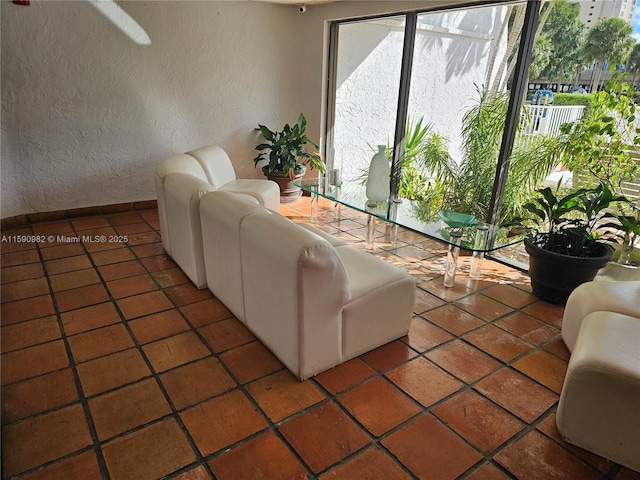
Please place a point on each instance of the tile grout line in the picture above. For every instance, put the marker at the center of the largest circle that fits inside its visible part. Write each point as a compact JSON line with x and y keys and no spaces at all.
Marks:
{"x":79,"y":390}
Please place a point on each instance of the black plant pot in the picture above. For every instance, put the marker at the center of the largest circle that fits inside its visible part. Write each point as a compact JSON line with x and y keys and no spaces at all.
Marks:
{"x":555,"y":276}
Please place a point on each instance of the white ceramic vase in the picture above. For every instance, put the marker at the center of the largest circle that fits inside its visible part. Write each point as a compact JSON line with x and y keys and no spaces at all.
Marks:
{"x":378,"y":179}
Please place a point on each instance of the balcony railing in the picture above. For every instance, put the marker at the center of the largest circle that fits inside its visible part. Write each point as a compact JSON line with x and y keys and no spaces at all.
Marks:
{"x":547,"y":119}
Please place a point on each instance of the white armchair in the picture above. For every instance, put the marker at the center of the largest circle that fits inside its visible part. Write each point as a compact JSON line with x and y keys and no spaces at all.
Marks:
{"x":219,"y":170}
{"x":196,"y":173}
{"x":599,"y":407}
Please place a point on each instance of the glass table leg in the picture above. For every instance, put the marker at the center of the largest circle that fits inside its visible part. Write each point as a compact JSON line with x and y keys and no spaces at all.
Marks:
{"x":452,"y":260}
{"x":314,"y":202}
{"x":478,"y":256}
{"x":371,"y":225}
{"x":393,"y":236}
{"x":393,"y":215}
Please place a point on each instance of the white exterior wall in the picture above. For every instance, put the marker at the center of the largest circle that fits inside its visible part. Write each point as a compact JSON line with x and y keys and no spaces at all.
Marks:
{"x":591,"y":11}
{"x":451,"y":56}
{"x":87,"y":113}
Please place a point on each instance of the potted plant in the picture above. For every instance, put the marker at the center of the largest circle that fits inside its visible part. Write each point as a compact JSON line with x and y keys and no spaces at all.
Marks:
{"x":564,"y":246}
{"x":626,"y":258}
{"x":288,"y":153}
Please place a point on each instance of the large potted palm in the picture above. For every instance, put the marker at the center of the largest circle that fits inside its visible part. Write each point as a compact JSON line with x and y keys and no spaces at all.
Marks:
{"x":564,"y":246}
{"x":287,"y":154}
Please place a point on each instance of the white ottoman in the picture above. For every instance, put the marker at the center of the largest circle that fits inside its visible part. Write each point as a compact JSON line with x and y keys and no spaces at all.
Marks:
{"x":619,"y":297}
{"x":599,"y":407}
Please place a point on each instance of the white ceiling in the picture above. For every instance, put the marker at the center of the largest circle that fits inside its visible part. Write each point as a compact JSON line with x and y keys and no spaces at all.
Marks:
{"x":298,"y":2}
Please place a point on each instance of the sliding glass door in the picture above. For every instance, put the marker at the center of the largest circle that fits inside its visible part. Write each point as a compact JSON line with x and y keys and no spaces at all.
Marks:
{"x":444,"y":91}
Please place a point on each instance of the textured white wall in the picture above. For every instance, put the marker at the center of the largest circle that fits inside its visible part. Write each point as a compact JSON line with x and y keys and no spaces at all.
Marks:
{"x":87,"y":113}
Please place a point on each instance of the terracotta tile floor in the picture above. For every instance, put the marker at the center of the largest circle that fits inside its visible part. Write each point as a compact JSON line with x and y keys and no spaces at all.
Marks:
{"x":115,"y":367}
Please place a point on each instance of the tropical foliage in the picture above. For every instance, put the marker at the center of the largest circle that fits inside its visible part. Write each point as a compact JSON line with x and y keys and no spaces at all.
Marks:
{"x":609,"y":40}
{"x":431,"y":177}
{"x":564,"y":32}
{"x":568,"y":224}
{"x":604,"y":144}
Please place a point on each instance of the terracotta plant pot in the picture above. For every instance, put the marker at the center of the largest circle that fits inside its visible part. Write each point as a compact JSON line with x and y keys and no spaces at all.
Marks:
{"x":288,"y":191}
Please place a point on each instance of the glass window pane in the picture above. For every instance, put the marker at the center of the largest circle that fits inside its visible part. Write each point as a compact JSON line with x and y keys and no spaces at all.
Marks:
{"x":455,"y":127}
{"x":366,"y":98}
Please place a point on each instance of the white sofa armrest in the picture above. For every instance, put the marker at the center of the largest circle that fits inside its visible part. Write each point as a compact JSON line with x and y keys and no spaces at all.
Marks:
{"x":182,"y":200}
{"x":618,"y":297}
{"x":181,"y":163}
{"x":381,"y":305}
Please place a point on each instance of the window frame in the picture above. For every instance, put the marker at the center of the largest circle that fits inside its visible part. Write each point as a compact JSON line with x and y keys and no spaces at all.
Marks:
{"x":517,"y":92}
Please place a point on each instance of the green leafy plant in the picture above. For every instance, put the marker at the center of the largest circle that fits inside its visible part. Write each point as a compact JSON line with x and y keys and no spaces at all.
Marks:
{"x":568,"y":224}
{"x":603,"y":147}
{"x":627,"y":229}
{"x":289,"y":150}
{"x":422,"y":146}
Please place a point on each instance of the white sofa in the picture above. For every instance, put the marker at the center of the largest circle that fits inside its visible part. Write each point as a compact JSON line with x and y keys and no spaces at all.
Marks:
{"x":599,"y":407}
{"x":311,"y":299}
{"x":192,"y":175}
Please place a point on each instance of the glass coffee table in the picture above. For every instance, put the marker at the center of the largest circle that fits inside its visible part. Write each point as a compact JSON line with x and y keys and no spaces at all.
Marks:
{"x":459,"y":232}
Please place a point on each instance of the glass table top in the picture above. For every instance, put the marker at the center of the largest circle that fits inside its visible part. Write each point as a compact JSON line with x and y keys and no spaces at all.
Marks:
{"x":476,"y":237}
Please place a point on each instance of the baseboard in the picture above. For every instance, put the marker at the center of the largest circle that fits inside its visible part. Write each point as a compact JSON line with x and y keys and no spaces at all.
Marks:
{"x":29,"y":218}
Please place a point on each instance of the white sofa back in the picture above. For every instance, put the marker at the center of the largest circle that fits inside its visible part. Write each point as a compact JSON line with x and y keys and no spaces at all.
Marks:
{"x":216,"y":164}
{"x":221,"y":214}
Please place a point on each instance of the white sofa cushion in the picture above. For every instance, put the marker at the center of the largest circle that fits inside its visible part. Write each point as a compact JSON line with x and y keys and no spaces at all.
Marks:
{"x":221,"y":214}
{"x":182,"y":201}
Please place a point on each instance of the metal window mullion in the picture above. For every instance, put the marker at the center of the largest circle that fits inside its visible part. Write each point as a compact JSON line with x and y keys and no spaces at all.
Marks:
{"x":518,"y":91}
{"x":411,"y":21}
{"x":332,"y":69}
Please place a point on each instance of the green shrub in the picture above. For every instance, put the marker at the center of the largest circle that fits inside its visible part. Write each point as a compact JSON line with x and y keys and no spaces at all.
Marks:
{"x":572,"y":99}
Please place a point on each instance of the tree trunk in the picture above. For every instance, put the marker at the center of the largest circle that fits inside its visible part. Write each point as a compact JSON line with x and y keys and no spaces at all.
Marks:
{"x":513,"y":37}
{"x":496,"y":46}
{"x":597,"y":75}
{"x":542,"y":21}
